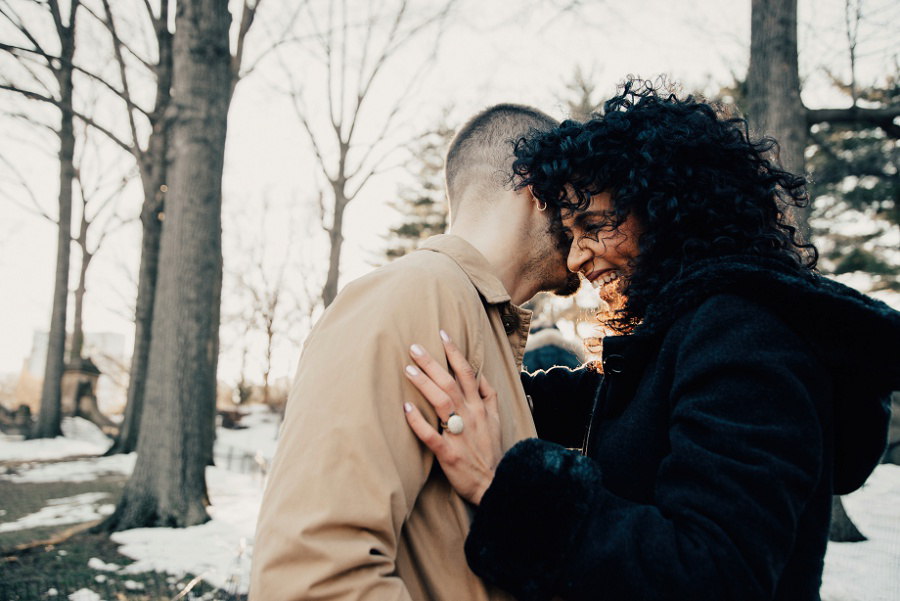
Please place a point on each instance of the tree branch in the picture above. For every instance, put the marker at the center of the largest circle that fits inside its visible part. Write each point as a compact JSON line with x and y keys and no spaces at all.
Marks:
{"x":123,"y":75}
{"x":880,"y":117}
{"x":84,"y":118}
{"x":37,"y":209}
{"x":20,"y":26}
{"x":14,"y":50}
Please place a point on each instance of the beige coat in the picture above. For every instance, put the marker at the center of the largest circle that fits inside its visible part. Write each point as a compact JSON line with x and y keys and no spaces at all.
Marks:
{"x":356,"y":507}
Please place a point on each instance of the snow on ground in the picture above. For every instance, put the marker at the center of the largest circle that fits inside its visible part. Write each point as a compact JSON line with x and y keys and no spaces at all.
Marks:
{"x":219,"y":550}
{"x":868,"y":570}
{"x":260,"y":434}
{"x":80,"y":437}
{"x":78,"y":509}
{"x":79,"y":470}
{"x":216,"y":550}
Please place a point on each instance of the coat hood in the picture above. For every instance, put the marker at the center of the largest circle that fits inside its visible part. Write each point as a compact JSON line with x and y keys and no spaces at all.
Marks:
{"x":855,"y":336}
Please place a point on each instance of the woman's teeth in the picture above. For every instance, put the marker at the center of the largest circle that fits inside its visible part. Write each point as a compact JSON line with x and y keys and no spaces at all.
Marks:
{"x":604,"y":279}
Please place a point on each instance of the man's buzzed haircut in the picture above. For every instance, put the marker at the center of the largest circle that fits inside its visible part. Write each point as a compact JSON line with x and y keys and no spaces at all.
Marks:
{"x":481,"y":153}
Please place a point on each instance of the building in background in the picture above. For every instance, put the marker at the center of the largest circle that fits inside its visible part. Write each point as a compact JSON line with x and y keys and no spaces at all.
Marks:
{"x":105,"y":349}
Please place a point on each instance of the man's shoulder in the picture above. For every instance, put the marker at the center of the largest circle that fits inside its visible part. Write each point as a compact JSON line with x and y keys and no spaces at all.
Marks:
{"x":419,"y":269}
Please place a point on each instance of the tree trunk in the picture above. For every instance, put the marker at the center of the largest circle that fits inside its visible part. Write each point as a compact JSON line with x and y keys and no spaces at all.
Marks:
{"x":154,"y":168}
{"x":842,"y":529}
{"x":336,"y":240}
{"x":773,"y":88}
{"x":168,"y":487}
{"x":126,"y":440}
{"x":78,"y":317}
{"x":49,"y":415}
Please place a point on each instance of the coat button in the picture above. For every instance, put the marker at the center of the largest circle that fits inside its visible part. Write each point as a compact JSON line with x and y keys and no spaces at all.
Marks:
{"x":510,"y":323}
{"x":614,"y":364}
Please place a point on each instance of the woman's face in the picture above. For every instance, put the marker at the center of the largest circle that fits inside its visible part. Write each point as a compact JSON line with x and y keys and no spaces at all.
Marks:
{"x":601,"y":253}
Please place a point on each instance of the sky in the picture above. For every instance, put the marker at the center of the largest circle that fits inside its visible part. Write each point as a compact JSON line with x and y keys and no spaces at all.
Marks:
{"x":489,"y":52}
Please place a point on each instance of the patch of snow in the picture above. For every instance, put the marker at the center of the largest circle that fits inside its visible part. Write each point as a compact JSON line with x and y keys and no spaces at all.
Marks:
{"x":84,"y":594}
{"x":95,"y":563}
{"x":78,"y":428}
{"x":80,"y":437}
{"x":82,"y":470}
{"x":260,"y":435}
{"x":52,"y":592}
{"x":86,"y":507}
{"x":216,"y":550}
{"x":868,"y":570}
{"x":133,"y":586}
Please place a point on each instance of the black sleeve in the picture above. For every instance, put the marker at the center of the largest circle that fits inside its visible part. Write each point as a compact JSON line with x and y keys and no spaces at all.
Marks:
{"x":746,"y":456}
{"x":562,"y":400}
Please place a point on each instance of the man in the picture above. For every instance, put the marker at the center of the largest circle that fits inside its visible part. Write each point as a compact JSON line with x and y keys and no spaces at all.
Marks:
{"x":355,"y":506}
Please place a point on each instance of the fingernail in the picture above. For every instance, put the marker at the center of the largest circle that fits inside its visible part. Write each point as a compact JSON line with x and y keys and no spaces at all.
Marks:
{"x":444,"y":336}
{"x":407,"y":407}
{"x":412,"y":370}
{"x":416,"y":350}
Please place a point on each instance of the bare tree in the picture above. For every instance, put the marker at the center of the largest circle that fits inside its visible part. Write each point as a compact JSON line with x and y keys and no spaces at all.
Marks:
{"x":168,"y":487}
{"x":354,"y":42}
{"x":153,"y":158}
{"x":261,"y":279}
{"x":98,"y":200}
{"x":35,"y":59}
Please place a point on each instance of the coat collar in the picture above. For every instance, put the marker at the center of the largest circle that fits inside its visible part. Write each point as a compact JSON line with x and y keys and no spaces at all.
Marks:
{"x":473,"y":263}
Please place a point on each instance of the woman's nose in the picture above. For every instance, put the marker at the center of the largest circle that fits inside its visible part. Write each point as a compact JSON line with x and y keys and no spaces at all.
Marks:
{"x":578,"y":256}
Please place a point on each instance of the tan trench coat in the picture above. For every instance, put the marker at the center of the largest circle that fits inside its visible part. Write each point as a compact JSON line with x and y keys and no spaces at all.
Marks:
{"x":356,"y":507}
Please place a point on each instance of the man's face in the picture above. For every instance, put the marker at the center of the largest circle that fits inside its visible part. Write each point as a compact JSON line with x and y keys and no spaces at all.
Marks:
{"x":549,"y":250}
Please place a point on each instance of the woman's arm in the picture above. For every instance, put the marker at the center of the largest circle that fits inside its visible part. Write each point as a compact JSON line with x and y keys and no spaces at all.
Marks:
{"x":562,"y":400}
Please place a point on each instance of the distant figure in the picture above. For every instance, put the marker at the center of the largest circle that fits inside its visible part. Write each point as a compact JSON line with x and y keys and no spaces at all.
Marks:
{"x":547,"y":348}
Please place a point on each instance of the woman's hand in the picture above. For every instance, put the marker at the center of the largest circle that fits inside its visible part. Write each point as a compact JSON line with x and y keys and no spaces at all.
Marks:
{"x":469,"y":457}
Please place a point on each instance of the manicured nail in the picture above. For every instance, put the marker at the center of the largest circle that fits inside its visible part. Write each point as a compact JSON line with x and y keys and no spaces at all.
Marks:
{"x":416,"y":350}
{"x":444,"y":336}
{"x":412,"y":370}
{"x":407,"y":407}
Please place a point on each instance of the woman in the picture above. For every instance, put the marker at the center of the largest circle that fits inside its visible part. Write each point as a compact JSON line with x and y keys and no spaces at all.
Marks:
{"x":740,"y":392}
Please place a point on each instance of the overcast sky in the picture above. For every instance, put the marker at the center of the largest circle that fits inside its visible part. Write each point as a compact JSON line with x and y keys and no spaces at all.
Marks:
{"x":490,"y":52}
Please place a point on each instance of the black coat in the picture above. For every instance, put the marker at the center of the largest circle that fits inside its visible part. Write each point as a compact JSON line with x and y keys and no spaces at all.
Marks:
{"x":724,"y":424}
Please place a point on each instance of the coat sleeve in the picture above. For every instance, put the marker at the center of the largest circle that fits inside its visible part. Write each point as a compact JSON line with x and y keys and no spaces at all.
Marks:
{"x":745,"y":456}
{"x":348,"y":468}
{"x":561,"y":402}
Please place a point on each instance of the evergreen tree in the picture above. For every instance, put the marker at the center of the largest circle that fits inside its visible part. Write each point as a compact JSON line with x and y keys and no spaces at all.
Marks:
{"x":423,"y":203}
{"x":855,"y":181}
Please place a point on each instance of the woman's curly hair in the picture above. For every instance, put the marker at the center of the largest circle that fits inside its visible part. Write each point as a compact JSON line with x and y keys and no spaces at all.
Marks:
{"x":694,"y":181}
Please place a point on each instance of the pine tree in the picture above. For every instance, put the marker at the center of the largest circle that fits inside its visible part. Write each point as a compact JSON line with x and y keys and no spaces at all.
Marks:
{"x":855,"y":179}
{"x":423,"y":203}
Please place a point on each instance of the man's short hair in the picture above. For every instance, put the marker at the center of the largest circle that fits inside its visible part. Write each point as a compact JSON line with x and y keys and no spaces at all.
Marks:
{"x":481,"y":153}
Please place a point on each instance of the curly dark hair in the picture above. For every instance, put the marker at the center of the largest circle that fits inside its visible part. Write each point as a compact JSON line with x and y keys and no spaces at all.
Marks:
{"x":691,"y":177}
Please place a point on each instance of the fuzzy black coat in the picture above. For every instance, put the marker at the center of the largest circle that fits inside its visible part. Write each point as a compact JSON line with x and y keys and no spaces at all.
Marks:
{"x":746,"y":398}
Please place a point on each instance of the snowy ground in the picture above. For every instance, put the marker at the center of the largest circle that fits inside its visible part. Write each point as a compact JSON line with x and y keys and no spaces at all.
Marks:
{"x":219,"y":550}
